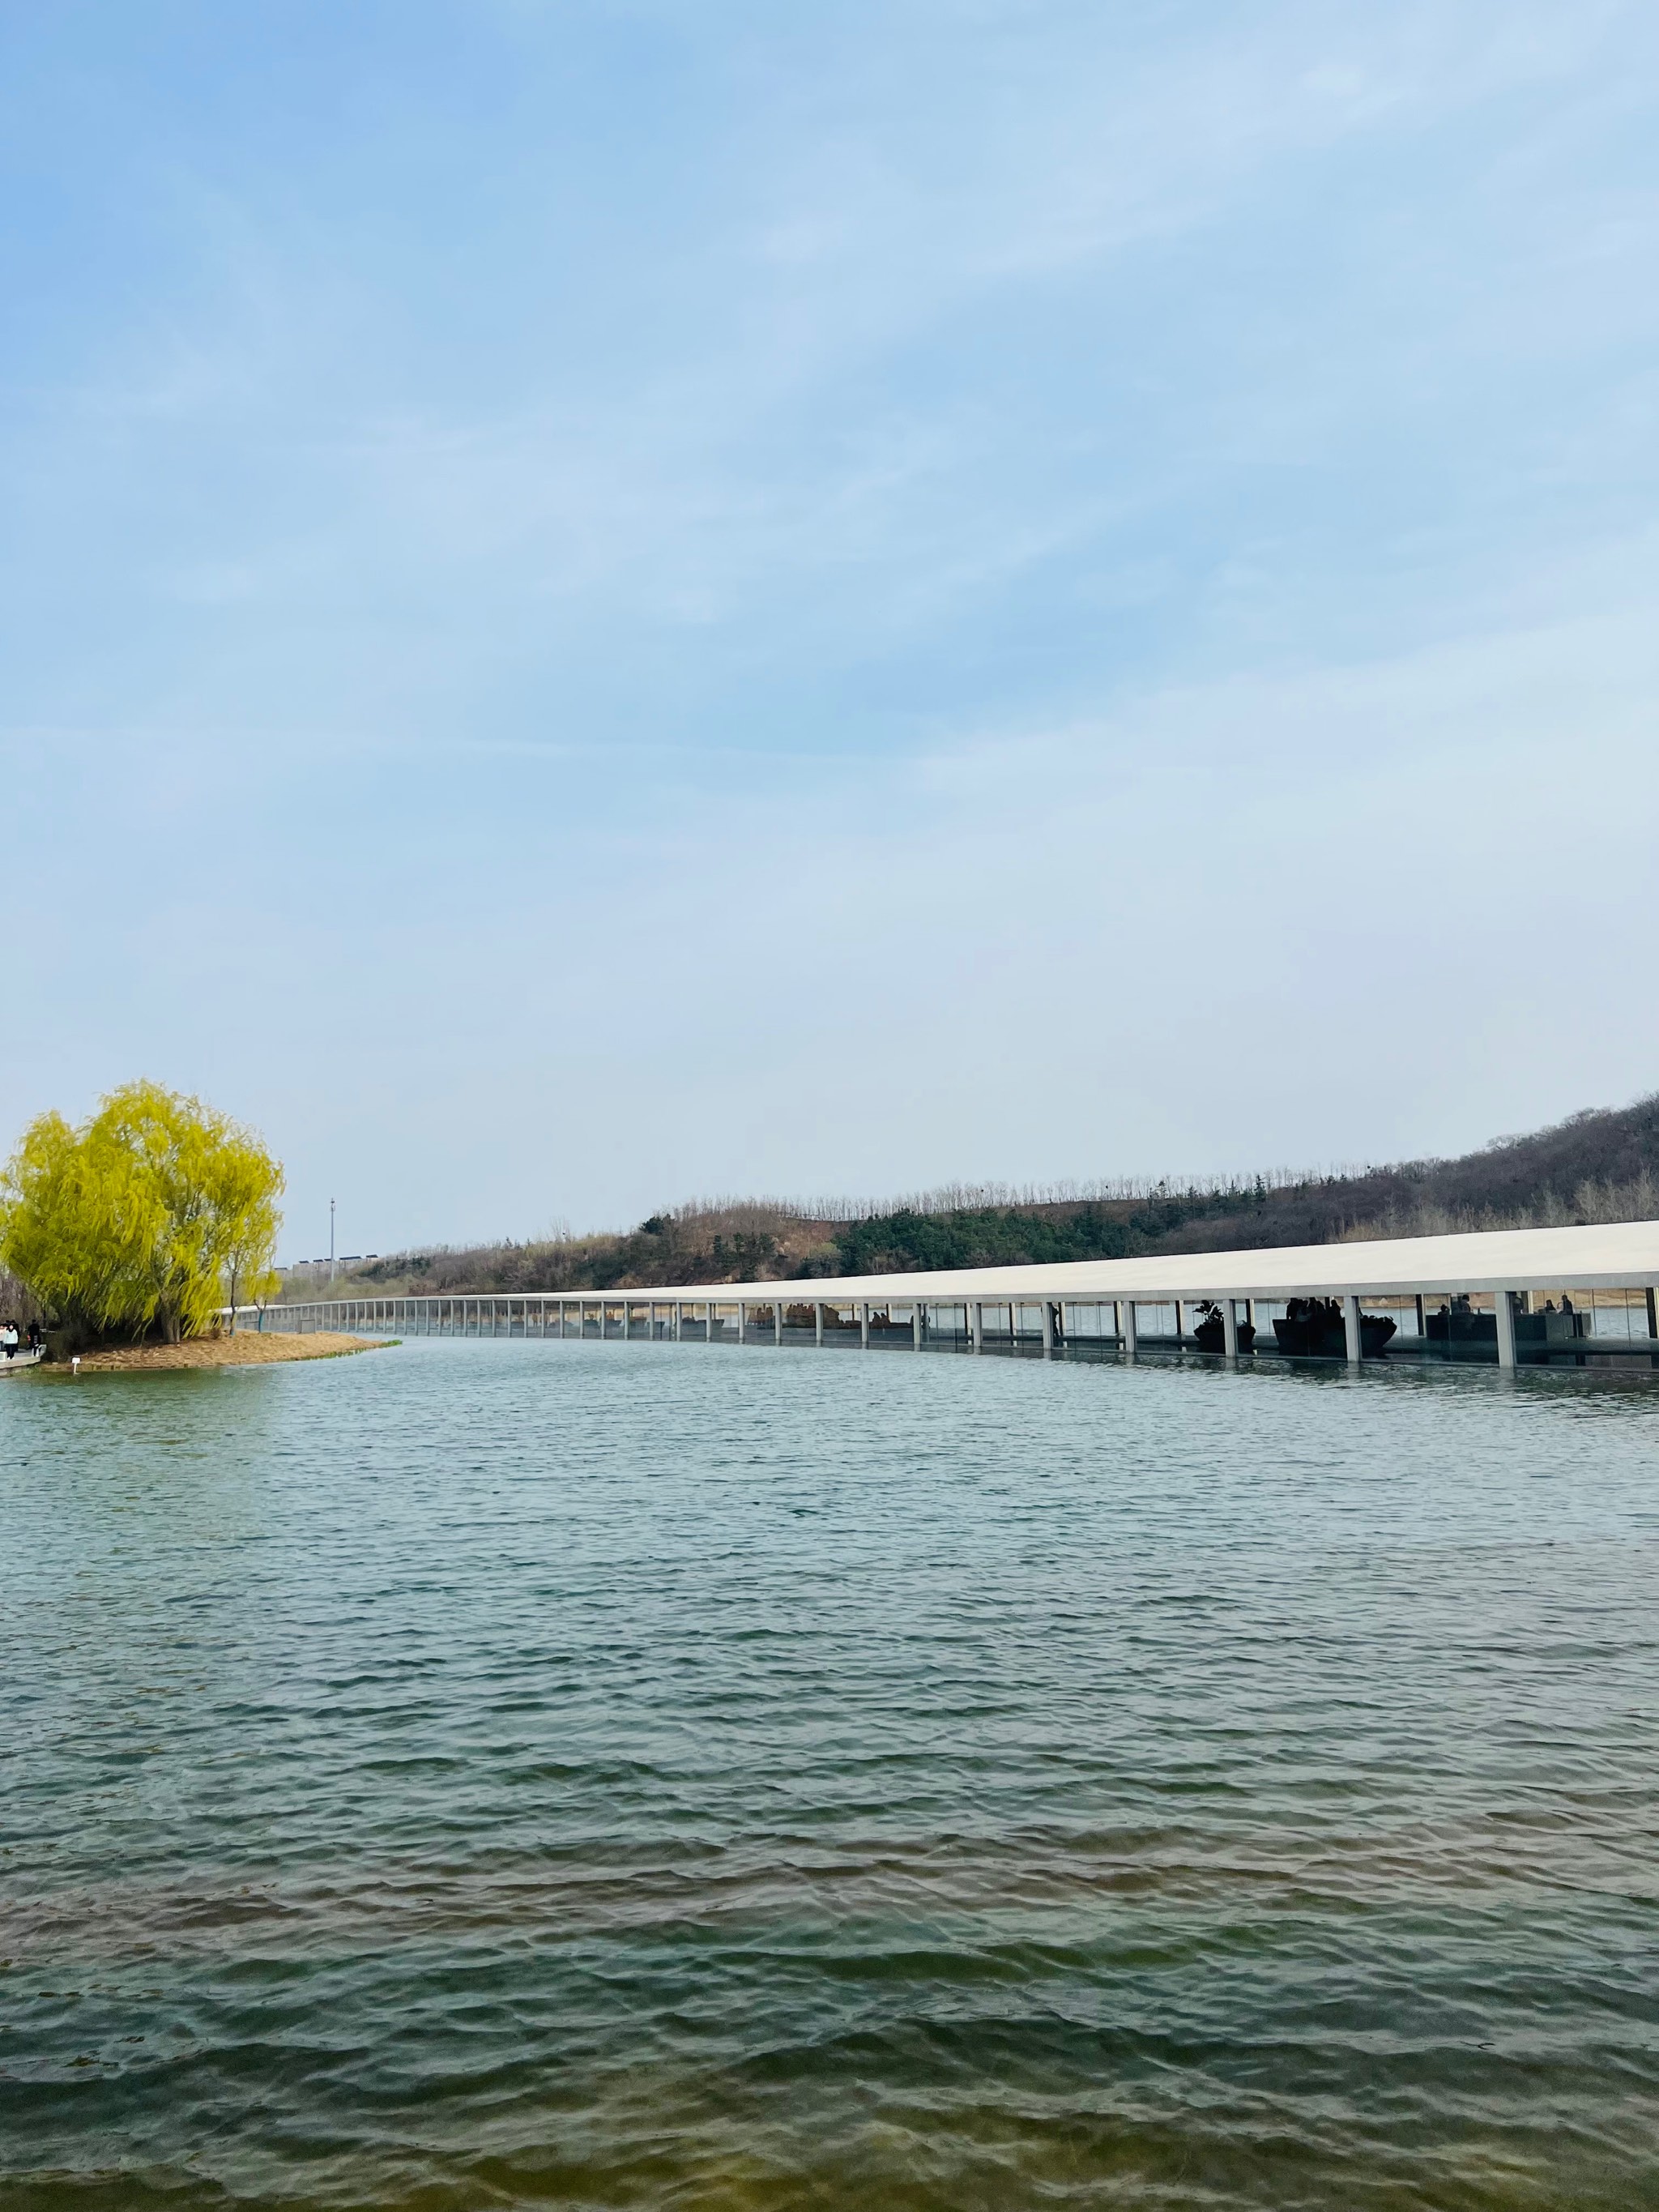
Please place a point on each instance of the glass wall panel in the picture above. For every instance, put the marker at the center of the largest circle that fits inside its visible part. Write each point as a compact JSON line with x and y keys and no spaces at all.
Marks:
{"x":841,"y":1322}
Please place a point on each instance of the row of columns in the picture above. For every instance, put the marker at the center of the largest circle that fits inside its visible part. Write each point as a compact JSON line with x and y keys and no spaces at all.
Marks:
{"x":463,"y":1314}
{"x":357,"y":1312}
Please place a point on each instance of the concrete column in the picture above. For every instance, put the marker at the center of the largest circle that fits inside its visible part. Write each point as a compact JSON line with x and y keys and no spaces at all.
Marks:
{"x":679,"y":1319}
{"x":627,"y":1310}
{"x":777,"y":1317}
{"x":1131,"y":1341}
{"x":976,"y":1324}
{"x":1230,"y":1328}
{"x":743,"y":1316}
{"x":864,"y":1325}
{"x":818,"y":1322}
{"x":1177,"y":1315}
{"x":915,"y":1324}
{"x":1505,"y":1302}
{"x":1351,"y":1328}
{"x":1048,"y":1312}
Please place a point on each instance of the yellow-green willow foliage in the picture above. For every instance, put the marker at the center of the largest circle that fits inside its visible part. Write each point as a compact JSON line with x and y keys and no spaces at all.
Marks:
{"x":144,"y":1220}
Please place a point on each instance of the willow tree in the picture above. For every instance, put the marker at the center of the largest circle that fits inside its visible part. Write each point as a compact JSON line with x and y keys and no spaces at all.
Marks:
{"x":142,"y":1221}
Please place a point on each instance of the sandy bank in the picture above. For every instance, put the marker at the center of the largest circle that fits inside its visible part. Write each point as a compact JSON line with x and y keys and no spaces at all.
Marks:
{"x":249,"y":1350}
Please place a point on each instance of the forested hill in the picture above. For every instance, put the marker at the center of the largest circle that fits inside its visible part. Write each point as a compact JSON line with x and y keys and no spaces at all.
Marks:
{"x":1599,"y":1165}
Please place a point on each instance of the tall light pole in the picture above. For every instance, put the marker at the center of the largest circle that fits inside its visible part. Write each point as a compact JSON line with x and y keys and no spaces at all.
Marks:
{"x":330,"y":1240}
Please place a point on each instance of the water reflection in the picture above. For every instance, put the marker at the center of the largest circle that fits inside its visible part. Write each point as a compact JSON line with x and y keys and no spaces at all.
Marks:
{"x":500,"y":1773}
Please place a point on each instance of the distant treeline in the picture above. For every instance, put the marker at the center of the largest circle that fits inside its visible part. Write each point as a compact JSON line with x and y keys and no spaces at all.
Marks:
{"x":1599,"y":1165}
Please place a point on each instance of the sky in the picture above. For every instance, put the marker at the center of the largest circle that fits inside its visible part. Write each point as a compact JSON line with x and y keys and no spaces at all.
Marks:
{"x":605,"y":601}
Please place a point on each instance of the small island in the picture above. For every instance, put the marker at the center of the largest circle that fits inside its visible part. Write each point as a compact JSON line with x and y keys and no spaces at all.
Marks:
{"x":260,"y":1348}
{"x":131,"y":1240}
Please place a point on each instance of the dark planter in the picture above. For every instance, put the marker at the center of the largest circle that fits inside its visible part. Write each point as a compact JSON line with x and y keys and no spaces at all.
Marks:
{"x":1212,"y":1336}
{"x":1317,"y":1337}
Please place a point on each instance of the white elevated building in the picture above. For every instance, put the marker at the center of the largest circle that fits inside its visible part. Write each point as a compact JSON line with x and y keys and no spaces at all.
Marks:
{"x":1555,"y":1297}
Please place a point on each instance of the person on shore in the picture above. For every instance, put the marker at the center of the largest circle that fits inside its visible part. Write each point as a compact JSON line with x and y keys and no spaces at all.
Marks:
{"x":8,"y":1337}
{"x":37,"y":1336}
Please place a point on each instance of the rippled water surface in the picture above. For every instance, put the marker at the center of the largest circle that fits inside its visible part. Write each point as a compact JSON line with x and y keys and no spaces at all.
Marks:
{"x":481,"y":1774}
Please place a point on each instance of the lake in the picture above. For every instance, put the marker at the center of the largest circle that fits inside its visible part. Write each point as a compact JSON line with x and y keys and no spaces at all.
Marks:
{"x":493,"y":1773}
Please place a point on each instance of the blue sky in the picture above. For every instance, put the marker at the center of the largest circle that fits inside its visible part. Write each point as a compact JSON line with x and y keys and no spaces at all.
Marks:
{"x":610,"y":602}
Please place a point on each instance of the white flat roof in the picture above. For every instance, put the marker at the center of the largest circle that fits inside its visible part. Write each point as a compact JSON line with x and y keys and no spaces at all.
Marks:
{"x":1623,"y":1255}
